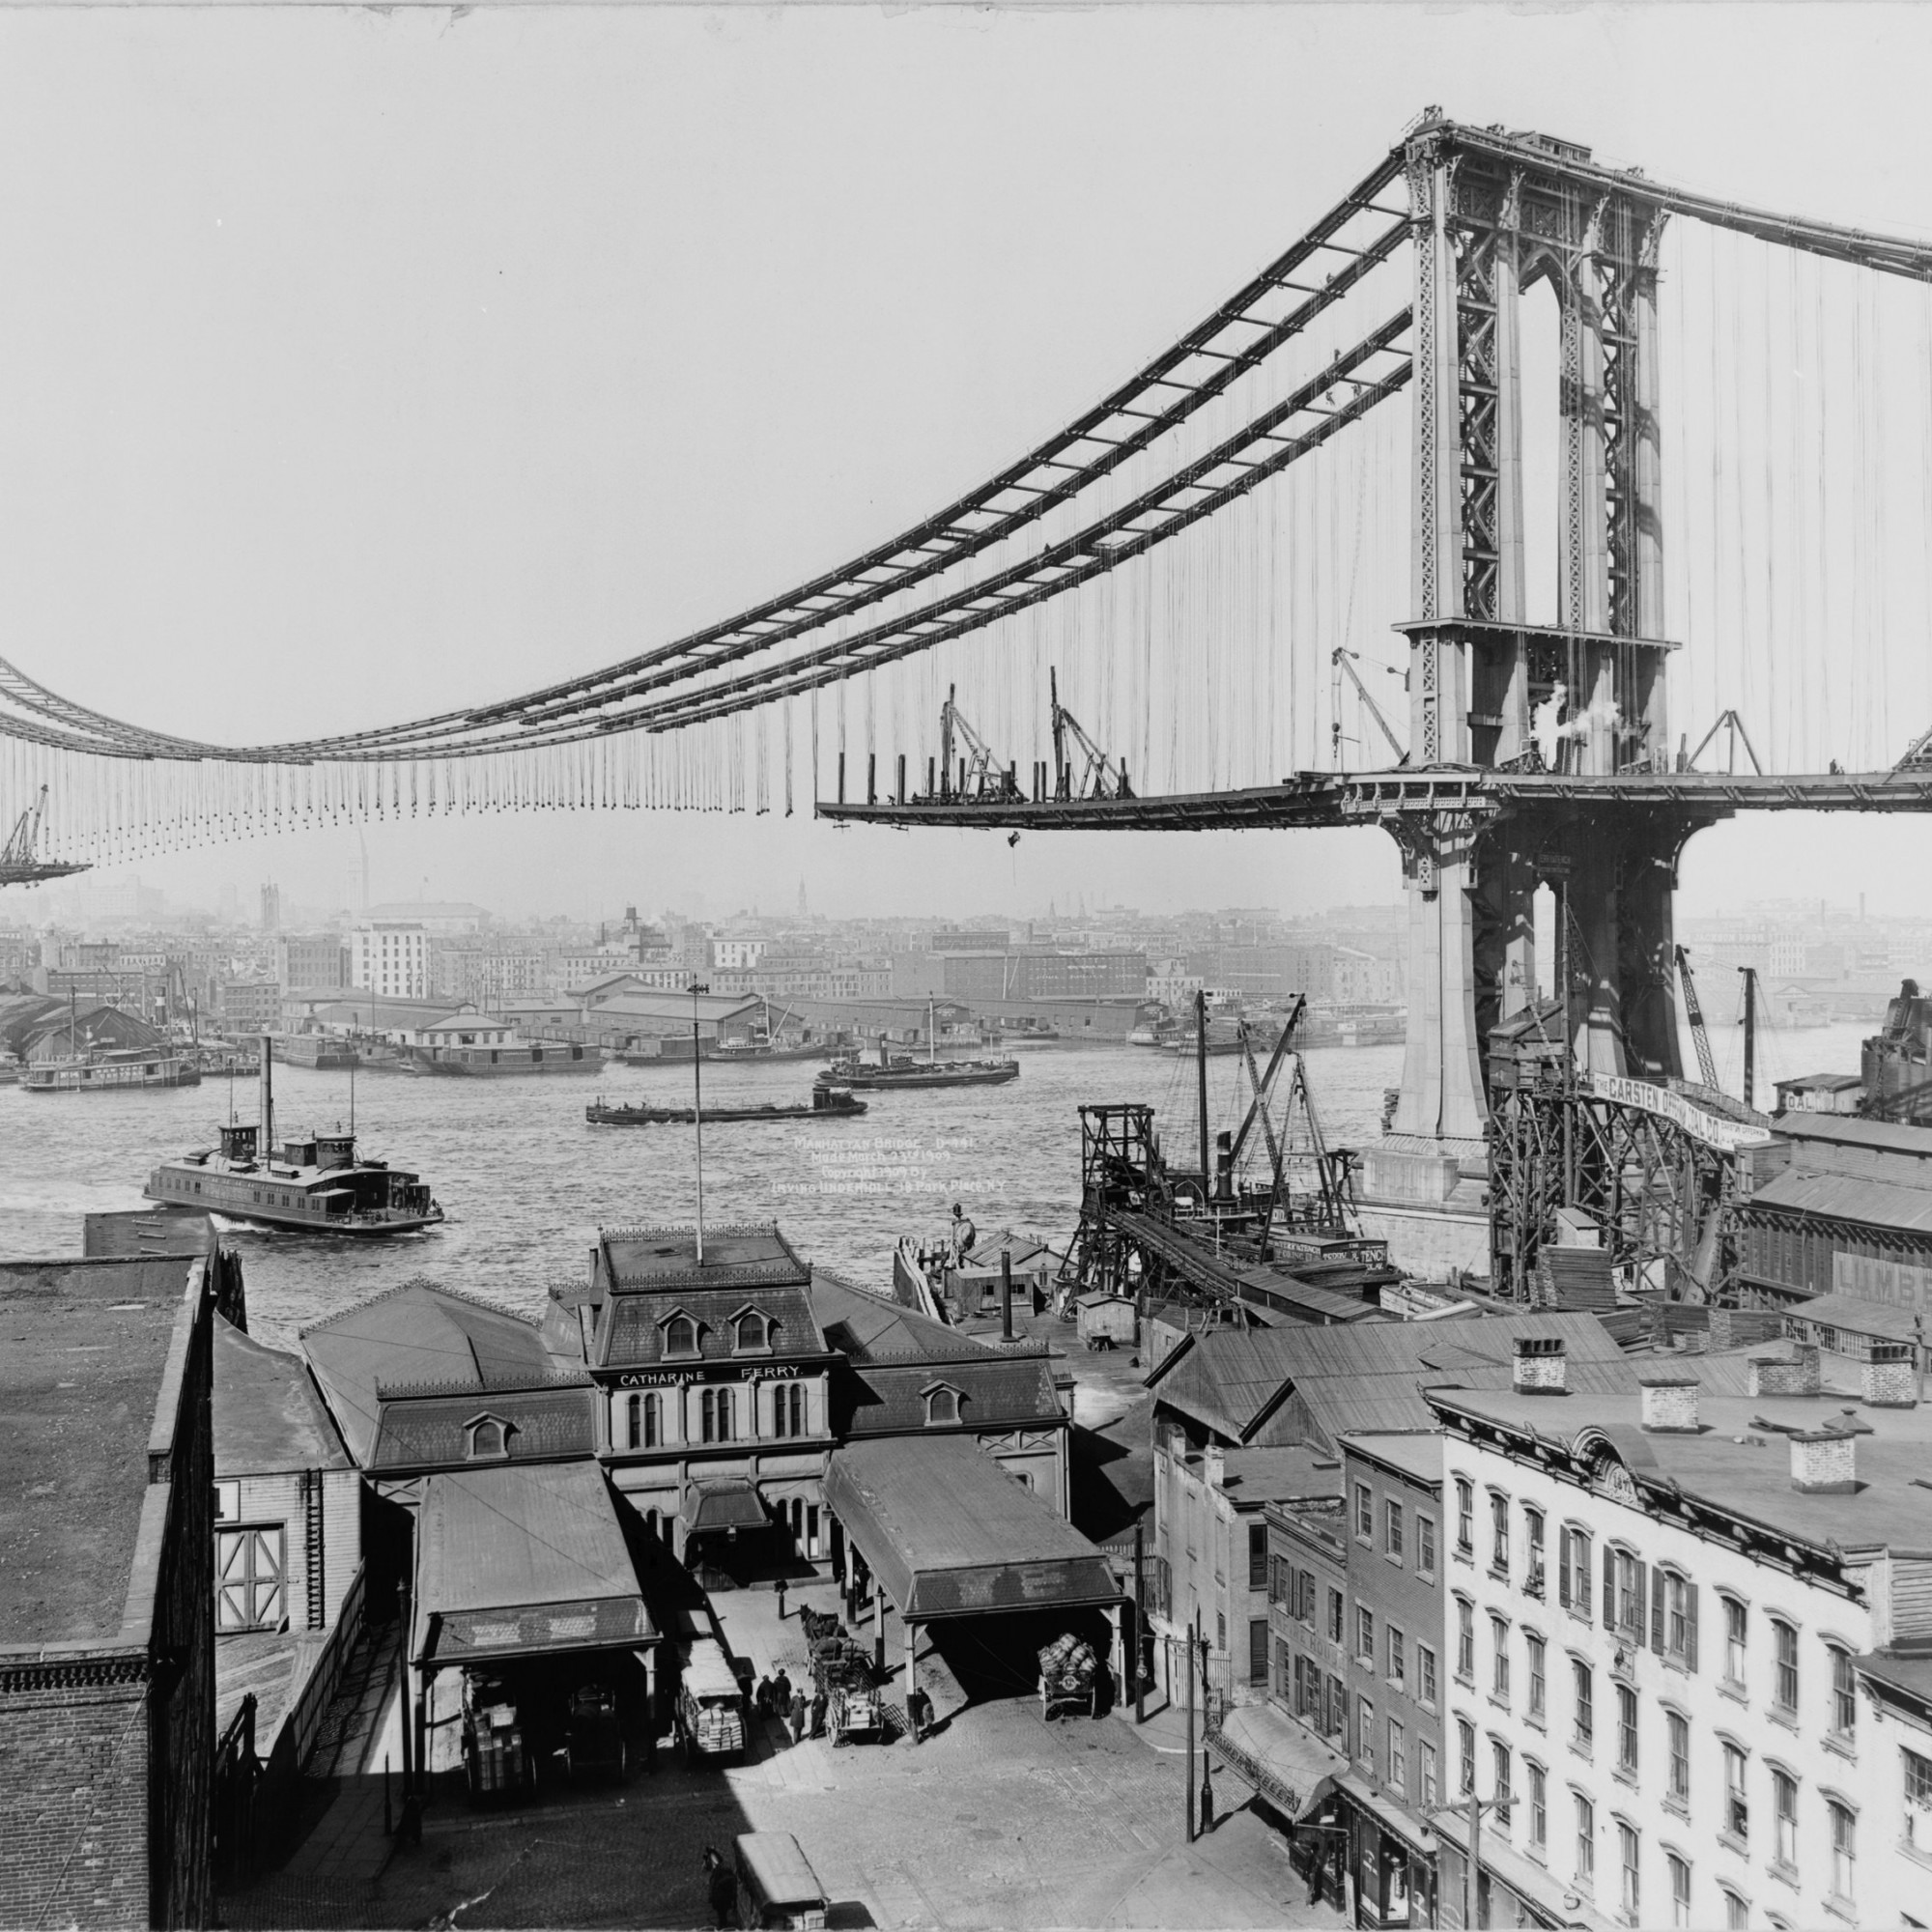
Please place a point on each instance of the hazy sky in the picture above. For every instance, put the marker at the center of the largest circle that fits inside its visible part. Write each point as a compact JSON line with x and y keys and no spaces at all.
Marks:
{"x":357,"y":363}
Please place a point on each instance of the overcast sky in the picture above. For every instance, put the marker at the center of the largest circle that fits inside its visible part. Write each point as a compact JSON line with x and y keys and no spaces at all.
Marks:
{"x":359,"y":364}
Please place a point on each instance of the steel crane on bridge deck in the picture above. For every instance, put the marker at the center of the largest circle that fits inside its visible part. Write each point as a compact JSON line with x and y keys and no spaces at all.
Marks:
{"x":1099,"y":778}
{"x":1343,"y":661}
{"x":17,"y":865}
{"x":979,"y":775}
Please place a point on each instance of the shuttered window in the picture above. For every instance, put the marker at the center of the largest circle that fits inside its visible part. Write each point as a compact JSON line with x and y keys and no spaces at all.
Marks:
{"x":249,"y":1578}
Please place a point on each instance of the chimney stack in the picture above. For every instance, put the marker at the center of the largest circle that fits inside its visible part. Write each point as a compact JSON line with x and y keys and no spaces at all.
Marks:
{"x":1889,"y":1380}
{"x":1669,"y":1402}
{"x":1214,"y":1464}
{"x":1824,"y":1463}
{"x":1773,"y":1375}
{"x":1540,"y":1367}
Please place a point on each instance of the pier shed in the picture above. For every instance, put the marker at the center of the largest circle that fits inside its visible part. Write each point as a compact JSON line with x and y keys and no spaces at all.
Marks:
{"x":523,"y":1573}
{"x":946,"y":1535}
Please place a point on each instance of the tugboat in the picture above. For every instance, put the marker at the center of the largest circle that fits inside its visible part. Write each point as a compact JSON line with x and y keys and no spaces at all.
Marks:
{"x":826,"y":1100}
{"x":313,"y":1181}
{"x":901,"y":1069}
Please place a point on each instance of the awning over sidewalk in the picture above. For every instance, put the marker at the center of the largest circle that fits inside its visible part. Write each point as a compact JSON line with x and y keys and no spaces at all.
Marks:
{"x":1284,"y":1761}
{"x":520,"y":1562}
{"x":948,"y":1532}
{"x":729,"y":1503}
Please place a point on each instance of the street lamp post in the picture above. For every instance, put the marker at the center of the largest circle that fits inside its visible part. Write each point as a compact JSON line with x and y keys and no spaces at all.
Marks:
{"x":697,"y":1108}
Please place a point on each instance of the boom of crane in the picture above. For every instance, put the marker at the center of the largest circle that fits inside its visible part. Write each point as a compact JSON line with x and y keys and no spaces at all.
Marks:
{"x":1099,"y":777}
{"x":1343,"y":661}
{"x":977,"y":774}
{"x":1328,"y":1208}
{"x":1694,"y":1015}
{"x":17,"y":865}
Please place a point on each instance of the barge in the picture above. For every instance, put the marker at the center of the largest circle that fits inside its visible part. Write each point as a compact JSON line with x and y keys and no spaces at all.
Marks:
{"x":826,"y":1101}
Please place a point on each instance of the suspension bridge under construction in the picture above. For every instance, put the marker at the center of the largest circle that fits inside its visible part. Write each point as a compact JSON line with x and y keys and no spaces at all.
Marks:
{"x":1665,"y":461}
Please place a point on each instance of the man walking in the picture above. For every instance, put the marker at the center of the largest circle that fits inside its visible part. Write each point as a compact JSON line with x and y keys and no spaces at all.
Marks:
{"x":721,"y":1884}
{"x":797,"y":1708}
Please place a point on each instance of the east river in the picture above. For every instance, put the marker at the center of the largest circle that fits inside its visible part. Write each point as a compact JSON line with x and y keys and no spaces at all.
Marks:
{"x":525,"y":1182}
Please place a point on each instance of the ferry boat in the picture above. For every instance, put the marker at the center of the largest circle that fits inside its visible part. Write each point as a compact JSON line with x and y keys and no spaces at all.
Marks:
{"x":826,"y":1101}
{"x":104,"y":1073}
{"x":311,"y":1181}
{"x":514,"y":1056}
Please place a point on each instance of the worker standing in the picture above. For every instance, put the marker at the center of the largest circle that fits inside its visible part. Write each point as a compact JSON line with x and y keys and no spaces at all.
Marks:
{"x":965,"y":1237}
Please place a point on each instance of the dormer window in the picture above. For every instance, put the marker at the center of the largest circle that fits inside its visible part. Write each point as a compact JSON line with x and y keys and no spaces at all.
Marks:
{"x":752,"y":1332}
{"x":680,"y":1335}
{"x":487,"y":1439}
{"x":942,"y":1404}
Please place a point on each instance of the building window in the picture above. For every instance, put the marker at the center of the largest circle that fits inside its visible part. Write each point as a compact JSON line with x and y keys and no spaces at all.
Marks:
{"x":1338,"y":1707}
{"x":1626,"y":1730}
{"x":1539,"y":1807}
{"x":1392,"y":1530}
{"x":788,"y":1408}
{"x":1532,"y":1531}
{"x":1220,"y":1623}
{"x":1627,"y":1845}
{"x":1425,"y":1546}
{"x":1425,"y":1759}
{"x":1398,"y":1777}
{"x":1734,"y":1643}
{"x":1465,"y":1518}
{"x":1844,"y":1694}
{"x":1499,"y":1641}
{"x":1365,"y":1513}
{"x":1737,"y":1812}
{"x":1305,"y":1607}
{"x":248,"y":1577}
{"x":1365,"y":1637}
{"x":1396,"y":1657}
{"x":1533,"y":1645}
{"x":1680,"y":1889}
{"x":1258,"y":1556}
{"x":680,"y":1336}
{"x":1365,"y":1735}
{"x":1334,"y":1616}
{"x":644,"y":1426}
{"x":942,"y":1407}
{"x":1783,"y":1819}
{"x":1677,"y":1728}
{"x":1586,"y":1841}
{"x":1918,"y":1772}
{"x":1573,"y":1572}
{"x":1502,"y":1791}
{"x":714,"y":1414}
{"x":1465,"y":1756}
{"x":1257,"y":1650}
{"x":1784,"y":1681}
{"x":1425,"y":1674}
{"x":1737,"y":1913}
{"x":489,"y":1439}
{"x":1465,"y":1639}
{"x":1677,"y":1636}
{"x":1499,"y":1535}
{"x":754,"y":1333}
{"x":1586,"y":1710}
{"x":1622,"y":1594}
{"x":1844,"y":1850}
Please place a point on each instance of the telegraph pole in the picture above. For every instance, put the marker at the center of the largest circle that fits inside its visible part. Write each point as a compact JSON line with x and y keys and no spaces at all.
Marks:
{"x":697,"y":1107}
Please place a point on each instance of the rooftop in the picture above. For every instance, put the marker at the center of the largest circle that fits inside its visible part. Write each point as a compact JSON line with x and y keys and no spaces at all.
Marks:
{"x":1847,"y":1130}
{"x":1296,"y":1474}
{"x":647,"y":1259}
{"x":1739,"y":1462}
{"x":1846,"y":1197}
{"x":869,"y":1328}
{"x":267,"y":1416}
{"x":1416,"y":1454}
{"x":84,"y":1350}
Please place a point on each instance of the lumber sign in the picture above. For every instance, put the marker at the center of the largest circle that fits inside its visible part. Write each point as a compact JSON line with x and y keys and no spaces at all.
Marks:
{"x":1712,"y":1129}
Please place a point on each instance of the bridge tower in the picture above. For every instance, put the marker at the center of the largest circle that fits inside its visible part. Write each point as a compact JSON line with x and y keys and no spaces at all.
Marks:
{"x":1492,"y":215}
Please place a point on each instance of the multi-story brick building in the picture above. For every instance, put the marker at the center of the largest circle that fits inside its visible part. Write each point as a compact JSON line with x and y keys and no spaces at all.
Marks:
{"x":1660,"y":1610}
{"x":391,"y":959}
{"x":249,"y":1005}
{"x":312,"y":961}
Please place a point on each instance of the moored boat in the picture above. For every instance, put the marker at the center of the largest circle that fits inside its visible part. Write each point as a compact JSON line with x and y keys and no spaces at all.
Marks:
{"x":903,"y":1071}
{"x":106,"y":1072}
{"x":833,"y":1102}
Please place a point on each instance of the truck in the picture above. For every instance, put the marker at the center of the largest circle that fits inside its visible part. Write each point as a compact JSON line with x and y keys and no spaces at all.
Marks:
{"x":841,"y":1668}
{"x":710,"y":1705}
{"x":496,"y":1758}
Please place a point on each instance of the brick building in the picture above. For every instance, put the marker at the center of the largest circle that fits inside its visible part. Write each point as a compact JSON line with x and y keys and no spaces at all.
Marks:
{"x":107,"y":1591}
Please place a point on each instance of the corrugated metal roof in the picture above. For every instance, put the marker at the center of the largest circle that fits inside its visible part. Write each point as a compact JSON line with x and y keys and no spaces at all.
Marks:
{"x":1860,"y":1317}
{"x":947,"y":1531}
{"x":1844,"y":1197}
{"x":268,"y":1417}
{"x":1847,"y":1130}
{"x":524,"y":1559}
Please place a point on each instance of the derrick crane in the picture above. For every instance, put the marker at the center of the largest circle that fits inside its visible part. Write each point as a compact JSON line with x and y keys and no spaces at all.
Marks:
{"x":17,"y":865}
{"x":1695,"y":1013}
{"x":979,"y":774}
{"x":1343,"y":661}
{"x":1099,"y":777}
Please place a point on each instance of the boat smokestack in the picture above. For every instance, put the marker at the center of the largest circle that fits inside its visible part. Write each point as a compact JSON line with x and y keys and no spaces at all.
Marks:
{"x":268,"y":1133}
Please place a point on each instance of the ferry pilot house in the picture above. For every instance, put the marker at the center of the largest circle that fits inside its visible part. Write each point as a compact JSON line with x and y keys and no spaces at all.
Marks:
{"x":713,"y":1377}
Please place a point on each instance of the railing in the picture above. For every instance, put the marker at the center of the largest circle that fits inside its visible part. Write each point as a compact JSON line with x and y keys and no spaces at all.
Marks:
{"x":305,"y":1718}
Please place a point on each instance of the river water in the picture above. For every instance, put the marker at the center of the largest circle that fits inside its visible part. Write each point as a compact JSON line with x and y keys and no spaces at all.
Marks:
{"x":527,"y":1182}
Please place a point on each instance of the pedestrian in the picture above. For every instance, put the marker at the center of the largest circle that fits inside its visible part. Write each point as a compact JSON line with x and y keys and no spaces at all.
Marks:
{"x":965,"y":1237}
{"x":782,"y":1692}
{"x":819,"y":1712}
{"x":781,"y":1599}
{"x":761,"y":1697}
{"x":918,"y":1712}
{"x":721,"y":1884}
{"x":797,"y":1708}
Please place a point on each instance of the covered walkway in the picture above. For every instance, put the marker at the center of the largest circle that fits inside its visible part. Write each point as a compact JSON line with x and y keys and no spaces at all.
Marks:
{"x":944,"y":1534}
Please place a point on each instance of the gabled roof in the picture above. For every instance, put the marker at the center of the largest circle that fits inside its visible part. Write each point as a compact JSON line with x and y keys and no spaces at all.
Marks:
{"x":1368,"y":1376}
{"x":867,"y":1328}
{"x":631,"y":1332}
{"x":268,"y":1417}
{"x":417,"y":1336}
